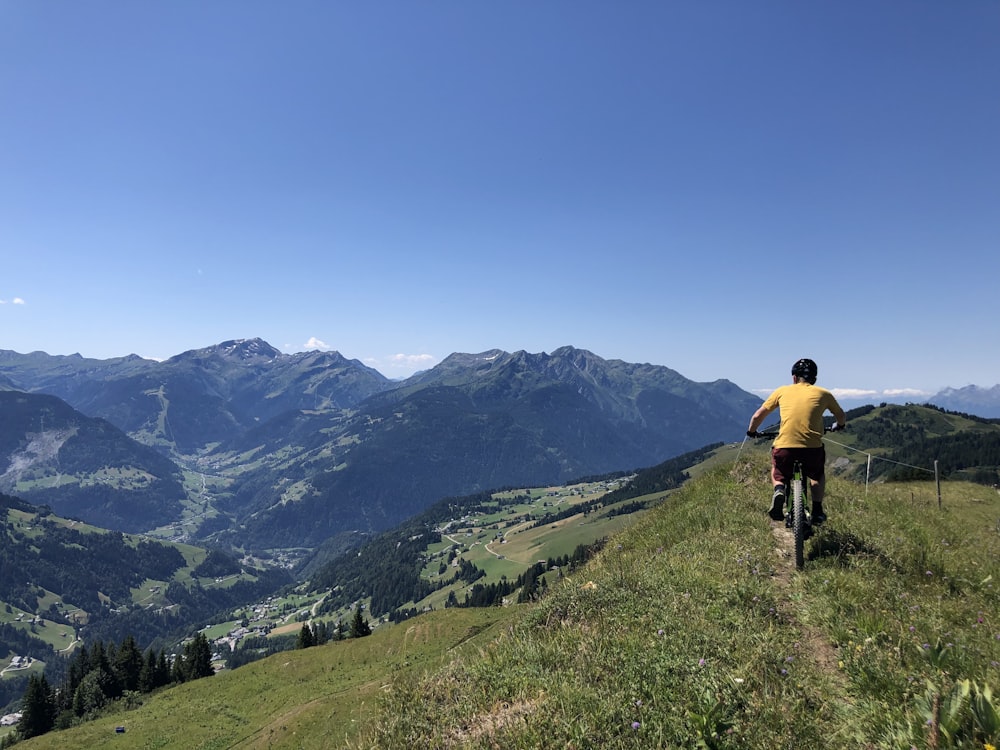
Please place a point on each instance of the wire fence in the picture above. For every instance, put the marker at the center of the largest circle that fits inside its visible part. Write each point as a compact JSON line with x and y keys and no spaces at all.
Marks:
{"x":872,"y":457}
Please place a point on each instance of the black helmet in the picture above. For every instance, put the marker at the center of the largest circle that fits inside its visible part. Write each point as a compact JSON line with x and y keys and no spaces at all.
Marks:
{"x":805,"y":369}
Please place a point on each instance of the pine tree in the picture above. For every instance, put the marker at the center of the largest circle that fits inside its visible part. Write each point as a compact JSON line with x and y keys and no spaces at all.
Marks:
{"x":178,"y":670}
{"x":306,"y":638}
{"x":147,"y":675}
{"x":198,"y":658}
{"x":79,"y":665}
{"x":322,"y":632}
{"x":38,"y":713}
{"x":162,"y":674}
{"x":128,"y":664}
{"x":92,"y":693}
{"x":359,"y":625}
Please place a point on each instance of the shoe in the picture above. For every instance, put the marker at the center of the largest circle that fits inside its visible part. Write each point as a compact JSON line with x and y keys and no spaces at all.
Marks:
{"x":777,"y":511}
{"x":818,"y":516}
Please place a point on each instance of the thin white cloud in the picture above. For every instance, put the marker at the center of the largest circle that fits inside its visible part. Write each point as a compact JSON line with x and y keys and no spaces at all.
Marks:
{"x":853,"y":393}
{"x":862,"y":394}
{"x":897,"y":392}
{"x":401,"y":365}
{"x":415,"y":360}
{"x":315,"y":343}
{"x":412,"y":361}
{"x":893,"y":394}
{"x":15,"y":301}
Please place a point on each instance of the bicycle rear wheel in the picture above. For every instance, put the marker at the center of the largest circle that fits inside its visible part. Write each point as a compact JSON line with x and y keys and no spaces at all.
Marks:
{"x":799,"y":520}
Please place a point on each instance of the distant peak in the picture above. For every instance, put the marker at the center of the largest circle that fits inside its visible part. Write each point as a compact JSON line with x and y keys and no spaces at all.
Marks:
{"x":248,"y":349}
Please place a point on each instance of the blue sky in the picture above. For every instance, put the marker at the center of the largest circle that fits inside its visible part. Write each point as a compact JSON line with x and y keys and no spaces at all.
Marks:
{"x":718,"y":187}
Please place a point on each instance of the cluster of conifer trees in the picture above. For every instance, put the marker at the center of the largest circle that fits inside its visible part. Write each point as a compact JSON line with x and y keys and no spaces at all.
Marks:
{"x":320,"y":632}
{"x":99,"y":674}
{"x":532,"y":583}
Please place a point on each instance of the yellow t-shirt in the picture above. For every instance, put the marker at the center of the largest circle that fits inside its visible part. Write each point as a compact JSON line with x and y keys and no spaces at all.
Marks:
{"x":802,"y":407}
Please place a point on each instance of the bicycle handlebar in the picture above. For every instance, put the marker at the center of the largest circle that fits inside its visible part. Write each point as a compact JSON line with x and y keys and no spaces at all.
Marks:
{"x":773,"y":433}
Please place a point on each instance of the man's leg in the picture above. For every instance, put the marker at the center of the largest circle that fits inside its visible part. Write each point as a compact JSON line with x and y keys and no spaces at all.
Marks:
{"x":818,"y":487}
{"x":815,"y":469}
{"x":777,"y":509}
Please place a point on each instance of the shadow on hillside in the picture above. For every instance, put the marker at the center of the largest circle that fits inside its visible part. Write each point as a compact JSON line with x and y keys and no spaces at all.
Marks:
{"x":842,"y":545}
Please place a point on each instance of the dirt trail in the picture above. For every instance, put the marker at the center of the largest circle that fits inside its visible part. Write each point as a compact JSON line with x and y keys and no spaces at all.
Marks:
{"x":815,"y":645}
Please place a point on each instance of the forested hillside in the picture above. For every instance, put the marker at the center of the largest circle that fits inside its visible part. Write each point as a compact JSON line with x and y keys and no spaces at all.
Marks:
{"x":83,"y":467}
{"x":61,"y":581}
{"x":911,"y":438}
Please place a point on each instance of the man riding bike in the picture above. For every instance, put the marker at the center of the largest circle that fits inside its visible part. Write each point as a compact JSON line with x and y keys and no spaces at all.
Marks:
{"x":800,"y":437}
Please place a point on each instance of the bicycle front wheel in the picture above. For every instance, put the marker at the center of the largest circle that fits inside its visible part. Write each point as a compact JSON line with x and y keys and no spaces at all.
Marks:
{"x":799,"y":521}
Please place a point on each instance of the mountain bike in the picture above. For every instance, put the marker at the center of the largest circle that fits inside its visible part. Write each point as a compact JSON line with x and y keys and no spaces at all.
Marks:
{"x":798,"y":517}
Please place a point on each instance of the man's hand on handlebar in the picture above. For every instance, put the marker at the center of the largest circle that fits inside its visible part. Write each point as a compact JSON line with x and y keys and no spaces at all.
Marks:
{"x":836,"y":427}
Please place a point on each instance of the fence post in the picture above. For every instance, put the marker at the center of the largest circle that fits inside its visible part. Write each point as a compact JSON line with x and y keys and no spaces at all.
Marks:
{"x":937,"y":481}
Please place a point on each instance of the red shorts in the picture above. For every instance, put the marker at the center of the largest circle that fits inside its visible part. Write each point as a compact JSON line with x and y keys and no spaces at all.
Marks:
{"x":813,"y":462}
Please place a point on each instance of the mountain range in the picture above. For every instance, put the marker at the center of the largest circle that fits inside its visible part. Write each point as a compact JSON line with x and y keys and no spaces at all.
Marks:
{"x":254,"y":448}
{"x":971,"y":399}
{"x":242,"y":445}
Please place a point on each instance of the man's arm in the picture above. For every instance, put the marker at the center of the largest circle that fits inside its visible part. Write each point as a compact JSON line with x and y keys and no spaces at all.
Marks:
{"x":838,"y":413}
{"x":757,"y":418}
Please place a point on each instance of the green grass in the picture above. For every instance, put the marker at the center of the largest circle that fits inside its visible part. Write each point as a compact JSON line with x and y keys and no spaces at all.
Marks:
{"x":309,"y":699}
{"x":690,"y":630}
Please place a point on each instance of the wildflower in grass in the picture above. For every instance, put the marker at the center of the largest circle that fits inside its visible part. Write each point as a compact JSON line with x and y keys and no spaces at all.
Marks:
{"x":701,"y":662}
{"x":636,"y":725}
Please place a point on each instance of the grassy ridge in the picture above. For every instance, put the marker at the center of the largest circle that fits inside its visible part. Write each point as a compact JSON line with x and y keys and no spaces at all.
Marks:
{"x":692,"y":630}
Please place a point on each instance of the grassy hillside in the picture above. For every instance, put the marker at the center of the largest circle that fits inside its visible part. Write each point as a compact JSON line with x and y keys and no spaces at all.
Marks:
{"x":693,"y":629}
{"x":690,"y":629}
{"x":310,"y":699}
